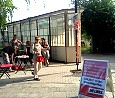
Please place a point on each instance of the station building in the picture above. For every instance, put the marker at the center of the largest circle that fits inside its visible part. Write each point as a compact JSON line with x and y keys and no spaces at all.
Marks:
{"x":58,"y":28}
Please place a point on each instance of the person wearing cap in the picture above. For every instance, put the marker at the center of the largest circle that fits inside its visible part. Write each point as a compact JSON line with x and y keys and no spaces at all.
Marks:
{"x":36,"y":49}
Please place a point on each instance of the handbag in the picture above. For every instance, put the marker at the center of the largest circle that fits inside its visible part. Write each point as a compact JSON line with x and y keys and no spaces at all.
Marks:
{"x":39,"y":59}
{"x":16,"y":67}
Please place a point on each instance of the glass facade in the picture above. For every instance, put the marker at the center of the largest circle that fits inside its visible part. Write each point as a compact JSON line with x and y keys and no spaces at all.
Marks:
{"x":33,"y":28}
{"x":17,"y":30}
{"x":10,"y":31}
{"x":25,"y":32}
{"x":71,"y":29}
{"x":55,"y":34}
{"x":57,"y":26}
{"x":43,"y":28}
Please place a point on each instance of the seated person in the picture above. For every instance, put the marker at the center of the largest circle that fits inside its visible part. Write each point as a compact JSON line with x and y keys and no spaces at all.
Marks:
{"x":8,"y":52}
{"x":15,"y":43}
{"x":7,"y":55}
{"x":27,"y":52}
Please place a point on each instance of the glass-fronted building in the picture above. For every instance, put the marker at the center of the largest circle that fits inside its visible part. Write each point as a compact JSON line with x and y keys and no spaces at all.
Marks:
{"x":56,"y":27}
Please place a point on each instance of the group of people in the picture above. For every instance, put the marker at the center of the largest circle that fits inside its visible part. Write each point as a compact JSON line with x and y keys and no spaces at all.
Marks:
{"x":40,"y":48}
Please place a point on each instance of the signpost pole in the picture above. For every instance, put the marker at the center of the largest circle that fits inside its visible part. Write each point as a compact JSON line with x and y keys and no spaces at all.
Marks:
{"x":76,"y":33}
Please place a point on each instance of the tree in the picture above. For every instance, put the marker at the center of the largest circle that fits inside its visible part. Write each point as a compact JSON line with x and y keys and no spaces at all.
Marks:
{"x":98,"y":20}
{"x":6,"y":12}
{"x":6,"y":9}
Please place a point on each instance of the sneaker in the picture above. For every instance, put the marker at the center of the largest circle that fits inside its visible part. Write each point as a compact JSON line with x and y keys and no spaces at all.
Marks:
{"x":32,"y":73}
{"x":10,"y":70}
{"x":47,"y":65}
{"x":37,"y":79}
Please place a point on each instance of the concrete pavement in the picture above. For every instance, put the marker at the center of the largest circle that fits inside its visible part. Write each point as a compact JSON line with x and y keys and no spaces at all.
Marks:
{"x":56,"y":81}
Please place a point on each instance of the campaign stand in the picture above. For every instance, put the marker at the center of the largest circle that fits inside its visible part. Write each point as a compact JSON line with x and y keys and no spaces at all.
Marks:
{"x":96,"y":74}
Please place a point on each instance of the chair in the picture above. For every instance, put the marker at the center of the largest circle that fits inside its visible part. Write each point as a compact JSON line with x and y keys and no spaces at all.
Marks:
{"x":5,"y":69}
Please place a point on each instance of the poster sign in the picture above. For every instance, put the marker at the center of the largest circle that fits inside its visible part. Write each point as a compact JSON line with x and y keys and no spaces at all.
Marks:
{"x":93,"y":79}
{"x":77,"y":25}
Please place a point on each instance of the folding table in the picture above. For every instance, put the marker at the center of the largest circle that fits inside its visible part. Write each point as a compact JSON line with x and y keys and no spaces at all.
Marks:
{"x":5,"y":69}
{"x":21,"y":60}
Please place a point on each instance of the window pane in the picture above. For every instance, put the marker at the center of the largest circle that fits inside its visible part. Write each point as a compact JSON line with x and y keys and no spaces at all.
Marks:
{"x":10,"y":28}
{"x":54,"y":23}
{"x":57,"y":30}
{"x":46,"y":32}
{"x":10,"y":35}
{"x":33,"y":25}
{"x":16,"y":28}
{"x":41,"y":31}
{"x":54,"y":40}
{"x":24,"y":27}
{"x":33,"y":32}
{"x":53,"y":31}
{"x":60,"y":22}
{"x":32,"y":39}
{"x":71,"y":30}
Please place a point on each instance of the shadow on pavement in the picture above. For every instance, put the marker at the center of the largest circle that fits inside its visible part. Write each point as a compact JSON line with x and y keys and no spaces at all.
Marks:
{"x":74,"y":75}
{"x":4,"y":82}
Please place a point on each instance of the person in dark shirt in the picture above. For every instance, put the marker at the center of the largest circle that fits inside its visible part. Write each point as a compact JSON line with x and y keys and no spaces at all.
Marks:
{"x":7,"y":52}
{"x":15,"y":41}
{"x":28,"y":52}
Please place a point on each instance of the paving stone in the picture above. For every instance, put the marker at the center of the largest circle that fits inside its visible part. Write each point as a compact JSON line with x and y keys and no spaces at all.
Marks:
{"x":56,"y":81}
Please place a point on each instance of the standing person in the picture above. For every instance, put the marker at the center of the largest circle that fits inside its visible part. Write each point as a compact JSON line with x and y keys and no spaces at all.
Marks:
{"x":28,"y":52}
{"x":45,"y":54}
{"x":15,"y":43}
{"x":36,"y":49}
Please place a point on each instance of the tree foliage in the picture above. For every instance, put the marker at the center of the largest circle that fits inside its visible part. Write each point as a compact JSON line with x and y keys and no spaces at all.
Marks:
{"x":6,"y":12}
{"x":98,"y":20}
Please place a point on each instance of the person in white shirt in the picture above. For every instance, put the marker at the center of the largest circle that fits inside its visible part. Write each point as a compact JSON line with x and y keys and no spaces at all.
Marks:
{"x":36,"y":49}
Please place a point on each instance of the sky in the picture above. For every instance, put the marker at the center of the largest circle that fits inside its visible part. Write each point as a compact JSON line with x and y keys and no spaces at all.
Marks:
{"x":37,"y":7}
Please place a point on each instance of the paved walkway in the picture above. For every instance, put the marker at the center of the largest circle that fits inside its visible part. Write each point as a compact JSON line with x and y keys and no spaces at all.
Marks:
{"x":56,"y":81}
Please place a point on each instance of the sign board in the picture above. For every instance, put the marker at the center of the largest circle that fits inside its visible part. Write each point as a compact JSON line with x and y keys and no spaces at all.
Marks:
{"x":93,"y":79}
